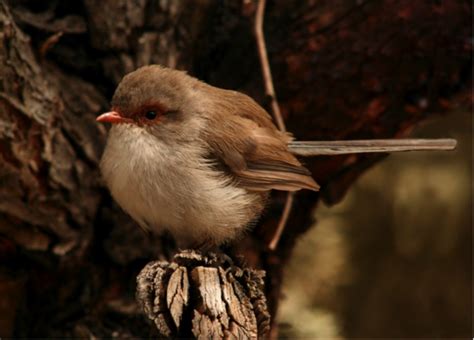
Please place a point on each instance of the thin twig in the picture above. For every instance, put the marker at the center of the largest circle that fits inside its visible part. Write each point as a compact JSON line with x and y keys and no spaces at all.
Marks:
{"x":266,"y":72}
{"x":275,"y":108}
{"x":282,"y":223}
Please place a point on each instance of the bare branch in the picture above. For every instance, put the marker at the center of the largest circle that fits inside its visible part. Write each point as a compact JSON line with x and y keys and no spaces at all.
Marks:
{"x":270,"y":92}
{"x":266,"y":72}
{"x":281,"y":224}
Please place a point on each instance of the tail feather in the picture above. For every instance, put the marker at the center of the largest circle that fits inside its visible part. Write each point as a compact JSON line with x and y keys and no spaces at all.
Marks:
{"x":317,"y":148}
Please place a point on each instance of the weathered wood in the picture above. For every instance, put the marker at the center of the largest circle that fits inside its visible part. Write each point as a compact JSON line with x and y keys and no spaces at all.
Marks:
{"x":152,"y":295}
{"x":177,"y":294}
{"x":213,"y":297}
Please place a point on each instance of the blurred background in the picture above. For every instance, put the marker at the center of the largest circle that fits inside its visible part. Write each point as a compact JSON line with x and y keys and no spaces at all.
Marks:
{"x":394,"y":256}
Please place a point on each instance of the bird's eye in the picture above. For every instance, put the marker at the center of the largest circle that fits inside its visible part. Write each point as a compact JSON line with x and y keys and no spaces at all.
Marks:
{"x":150,"y":115}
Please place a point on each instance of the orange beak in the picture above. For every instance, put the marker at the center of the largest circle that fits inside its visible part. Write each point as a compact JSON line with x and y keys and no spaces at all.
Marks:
{"x":112,"y":117}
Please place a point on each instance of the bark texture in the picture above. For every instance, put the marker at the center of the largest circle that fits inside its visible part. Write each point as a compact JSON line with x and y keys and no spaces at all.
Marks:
{"x":204,"y":297}
{"x":342,"y":69}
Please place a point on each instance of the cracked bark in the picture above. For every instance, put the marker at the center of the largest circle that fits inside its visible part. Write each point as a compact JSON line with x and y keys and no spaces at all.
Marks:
{"x":218,"y":299}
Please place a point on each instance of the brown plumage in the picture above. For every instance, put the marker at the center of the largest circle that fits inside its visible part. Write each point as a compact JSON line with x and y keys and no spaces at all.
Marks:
{"x":192,"y":158}
{"x":242,"y":135}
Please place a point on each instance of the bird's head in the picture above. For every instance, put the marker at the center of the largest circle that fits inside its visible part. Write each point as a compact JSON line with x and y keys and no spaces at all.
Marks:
{"x":157,"y":99}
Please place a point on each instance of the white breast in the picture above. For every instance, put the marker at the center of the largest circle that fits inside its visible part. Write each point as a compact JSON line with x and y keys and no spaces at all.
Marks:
{"x":173,"y":188}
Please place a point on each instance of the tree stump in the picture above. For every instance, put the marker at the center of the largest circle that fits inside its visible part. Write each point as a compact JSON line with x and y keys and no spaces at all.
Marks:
{"x":204,"y":296}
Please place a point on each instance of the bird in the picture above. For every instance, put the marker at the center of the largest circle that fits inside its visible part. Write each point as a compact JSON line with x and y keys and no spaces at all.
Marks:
{"x":192,"y":159}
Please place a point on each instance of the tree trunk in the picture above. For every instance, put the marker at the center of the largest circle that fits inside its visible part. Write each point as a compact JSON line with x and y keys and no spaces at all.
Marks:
{"x":342,"y":70}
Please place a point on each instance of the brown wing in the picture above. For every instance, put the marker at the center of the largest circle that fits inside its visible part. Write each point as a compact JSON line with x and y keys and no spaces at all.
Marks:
{"x":255,"y":152}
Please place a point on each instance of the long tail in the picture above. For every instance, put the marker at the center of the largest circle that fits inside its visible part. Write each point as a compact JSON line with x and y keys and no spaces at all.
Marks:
{"x":316,"y":148}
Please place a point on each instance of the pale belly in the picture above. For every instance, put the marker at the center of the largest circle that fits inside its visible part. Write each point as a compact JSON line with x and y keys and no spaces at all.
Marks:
{"x":176,"y":190}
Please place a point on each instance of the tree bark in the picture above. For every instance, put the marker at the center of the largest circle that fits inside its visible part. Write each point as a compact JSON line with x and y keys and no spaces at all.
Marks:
{"x":226,"y":302}
{"x":342,"y":71}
